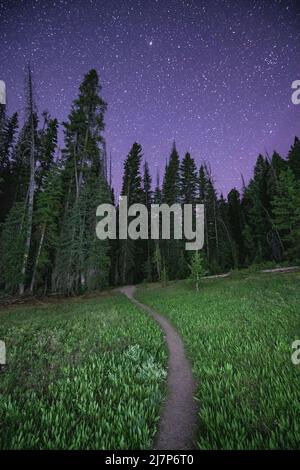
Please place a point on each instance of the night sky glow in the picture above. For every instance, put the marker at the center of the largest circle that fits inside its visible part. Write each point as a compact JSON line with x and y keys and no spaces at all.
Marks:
{"x":213,"y":75}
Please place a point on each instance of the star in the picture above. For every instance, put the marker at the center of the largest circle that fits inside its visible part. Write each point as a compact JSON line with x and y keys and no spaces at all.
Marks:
{"x":214,"y":74}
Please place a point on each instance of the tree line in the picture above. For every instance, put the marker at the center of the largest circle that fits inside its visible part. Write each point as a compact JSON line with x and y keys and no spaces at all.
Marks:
{"x":48,"y":202}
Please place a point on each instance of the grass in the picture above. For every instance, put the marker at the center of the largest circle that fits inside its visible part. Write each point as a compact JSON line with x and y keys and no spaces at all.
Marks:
{"x":81,"y":375}
{"x":238,"y":334}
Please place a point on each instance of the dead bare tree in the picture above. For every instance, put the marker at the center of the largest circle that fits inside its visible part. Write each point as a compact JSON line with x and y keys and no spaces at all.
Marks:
{"x":31,"y":187}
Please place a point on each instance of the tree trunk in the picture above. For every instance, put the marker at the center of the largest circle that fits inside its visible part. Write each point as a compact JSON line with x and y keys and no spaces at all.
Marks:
{"x":31,"y":190}
{"x":37,"y":258}
{"x":29,"y":229}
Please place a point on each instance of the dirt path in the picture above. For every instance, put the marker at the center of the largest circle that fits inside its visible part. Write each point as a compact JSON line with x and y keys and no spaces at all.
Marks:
{"x":178,"y":422}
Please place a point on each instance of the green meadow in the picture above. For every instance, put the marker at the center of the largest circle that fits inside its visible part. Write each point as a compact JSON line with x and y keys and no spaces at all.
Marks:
{"x":90,"y":373}
{"x":81,"y":375}
{"x":238,"y":334}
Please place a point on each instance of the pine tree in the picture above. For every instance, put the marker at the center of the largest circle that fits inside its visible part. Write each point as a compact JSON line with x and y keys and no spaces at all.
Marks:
{"x":228,"y":253}
{"x":47,"y":144}
{"x":132,"y":180}
{"x":188,"y":180}
{"x":79,"y":265}
{"x":24,"y":167}
{"x":157,"y":257}
{"x":8,"y":130}
{"x":20,"y":157}
{"x":147,"y":184}
{"x":188,"y":195}
{"x":278,"y":163}
{"x":131,"y":252}
{"x":12,"y":242}
{"x":157,"y":196}
{"x":202,"y":185}
{"x":257,"y":209}
{"x":171,"y":195}
{"x":213,"y":228}
{"x":208,"y":197}
{"x":147,"y":201}
{"x":202,"y":199}
{"x":83,"y":135}
{"x":48,"y":195}
{"x":236,"y":224}
{"x":294,"y":158}
{"x":46,"y":221}
{"x":286,"y":207}
{"x":171,"y":183}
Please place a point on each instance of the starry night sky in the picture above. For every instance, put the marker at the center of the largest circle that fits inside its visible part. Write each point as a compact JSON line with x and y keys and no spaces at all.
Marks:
{"x":213,"y":75}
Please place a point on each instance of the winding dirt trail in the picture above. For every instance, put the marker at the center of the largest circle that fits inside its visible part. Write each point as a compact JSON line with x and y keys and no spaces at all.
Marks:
{"x":178,"y":422}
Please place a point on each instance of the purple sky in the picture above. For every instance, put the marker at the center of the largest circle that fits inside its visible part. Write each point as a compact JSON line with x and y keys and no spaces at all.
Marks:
{"x":213,"y":75}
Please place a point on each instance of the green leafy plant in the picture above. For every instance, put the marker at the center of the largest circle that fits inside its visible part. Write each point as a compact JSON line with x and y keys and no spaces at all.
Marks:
{"x":197,"y":269}
{"x":82,"y":375}
{"x":238,"y":334}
